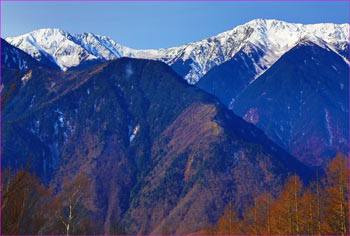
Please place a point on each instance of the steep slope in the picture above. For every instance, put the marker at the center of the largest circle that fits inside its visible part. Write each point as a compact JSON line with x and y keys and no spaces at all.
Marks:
{"x":231,"y":78}
{"x":191,"y":61}
{"x":16,"y":68}
{"x":302,"y":102}
{"x":12,"y":57}
{"x":160,"y":154}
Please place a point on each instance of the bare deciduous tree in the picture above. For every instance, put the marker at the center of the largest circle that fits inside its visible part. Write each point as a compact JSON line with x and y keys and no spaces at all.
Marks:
{"x":71,"y":202}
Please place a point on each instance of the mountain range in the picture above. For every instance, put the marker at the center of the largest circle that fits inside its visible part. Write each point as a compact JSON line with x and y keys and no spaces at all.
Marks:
{"x":169,"y":137}
{"x":263,"y":40}
{"x":226,"y":66}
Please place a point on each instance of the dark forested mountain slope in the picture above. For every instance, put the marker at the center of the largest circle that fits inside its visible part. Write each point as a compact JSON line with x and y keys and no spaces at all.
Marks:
{"x":15,"y":58}
{"x":230,"y":79}
{"x":302,"y":102}
{"x":159,"y":153}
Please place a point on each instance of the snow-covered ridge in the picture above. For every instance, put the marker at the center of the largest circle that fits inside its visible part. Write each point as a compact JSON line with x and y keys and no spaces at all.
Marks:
{"x":272,"y":37}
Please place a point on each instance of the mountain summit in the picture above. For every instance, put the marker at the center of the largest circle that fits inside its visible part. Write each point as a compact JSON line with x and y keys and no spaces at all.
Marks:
{"x":269,"y":39}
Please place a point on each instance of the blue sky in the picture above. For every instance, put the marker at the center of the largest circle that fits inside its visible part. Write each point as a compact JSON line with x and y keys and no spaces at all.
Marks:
{"x":144,"y":25}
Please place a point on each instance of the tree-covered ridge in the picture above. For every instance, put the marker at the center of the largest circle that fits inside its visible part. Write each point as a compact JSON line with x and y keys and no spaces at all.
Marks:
{"x":320,"y":208}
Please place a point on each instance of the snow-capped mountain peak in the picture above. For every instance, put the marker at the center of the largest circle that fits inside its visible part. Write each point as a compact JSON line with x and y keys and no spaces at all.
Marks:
{"x":272,"y":38}
{"x":55,"y":44}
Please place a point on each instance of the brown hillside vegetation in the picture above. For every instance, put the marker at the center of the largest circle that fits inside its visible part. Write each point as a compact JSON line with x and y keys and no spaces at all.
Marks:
{"x":322,"y":208}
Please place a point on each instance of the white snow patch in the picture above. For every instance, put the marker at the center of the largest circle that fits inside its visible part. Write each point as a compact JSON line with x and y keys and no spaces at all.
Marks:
{"x":128,"y":70}
{"x":31,"y":101}
{"x":135,"y":131}
{"x":35,"y":128}
{"x":60,"y":117}
{"x":26,"y":77}
{"x":328,"y":127}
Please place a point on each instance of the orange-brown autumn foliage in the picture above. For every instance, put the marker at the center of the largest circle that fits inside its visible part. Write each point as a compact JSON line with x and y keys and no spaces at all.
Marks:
{"x":29,"y":207}
{"x":23,"y":203}
{"x":322,"y":208}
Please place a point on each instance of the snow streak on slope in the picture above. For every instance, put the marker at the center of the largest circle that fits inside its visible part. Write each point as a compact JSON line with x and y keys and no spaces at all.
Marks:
{"x":273,"y":37}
